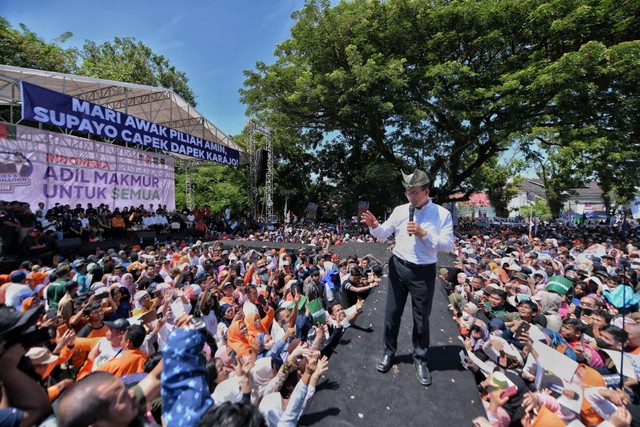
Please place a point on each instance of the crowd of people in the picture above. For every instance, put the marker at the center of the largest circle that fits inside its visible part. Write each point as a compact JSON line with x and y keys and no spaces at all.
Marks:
{"x":180,"y":334}
{"x":201,"y":332}
{"x":92,"y":223}
{"x":26,"y":231}
{"x":550,"y":324}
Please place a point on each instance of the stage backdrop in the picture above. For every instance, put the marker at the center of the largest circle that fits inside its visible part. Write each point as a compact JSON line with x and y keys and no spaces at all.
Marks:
{"x":40,"y":166}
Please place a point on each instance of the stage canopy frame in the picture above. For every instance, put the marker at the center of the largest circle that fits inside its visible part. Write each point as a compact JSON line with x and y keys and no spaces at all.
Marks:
{"x":154,"y":104}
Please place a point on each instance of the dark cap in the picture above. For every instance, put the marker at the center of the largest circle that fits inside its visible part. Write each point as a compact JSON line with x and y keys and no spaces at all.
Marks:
{"x":71,"y":285}
{"x":18,"y":276}
{"x":118,"y":324}
{"x":356,"y":271}
{"x":13,"y":321}
{"x":521,"y":276}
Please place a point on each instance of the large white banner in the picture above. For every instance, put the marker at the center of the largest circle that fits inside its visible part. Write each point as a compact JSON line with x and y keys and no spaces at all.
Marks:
{"x":40,"y":166}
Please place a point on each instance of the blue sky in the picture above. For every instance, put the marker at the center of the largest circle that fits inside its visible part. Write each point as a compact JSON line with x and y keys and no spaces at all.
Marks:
{"x":211,"y":41}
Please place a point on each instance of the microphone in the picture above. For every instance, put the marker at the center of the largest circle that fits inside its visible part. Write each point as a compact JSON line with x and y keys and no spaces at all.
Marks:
{"x":412,"y":209}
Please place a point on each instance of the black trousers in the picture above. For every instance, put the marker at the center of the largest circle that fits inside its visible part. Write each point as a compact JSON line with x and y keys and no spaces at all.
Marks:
{"x":420,"y":283}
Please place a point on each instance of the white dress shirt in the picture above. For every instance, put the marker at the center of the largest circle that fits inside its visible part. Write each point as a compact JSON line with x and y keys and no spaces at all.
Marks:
{"x":433,"y":218}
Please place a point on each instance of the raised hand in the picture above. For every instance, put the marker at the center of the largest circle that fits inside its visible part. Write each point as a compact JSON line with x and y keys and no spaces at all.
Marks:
{"x":369,"y":219}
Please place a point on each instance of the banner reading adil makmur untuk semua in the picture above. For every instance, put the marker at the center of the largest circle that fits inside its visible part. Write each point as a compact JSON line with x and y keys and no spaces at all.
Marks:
{"x":41,"y":166}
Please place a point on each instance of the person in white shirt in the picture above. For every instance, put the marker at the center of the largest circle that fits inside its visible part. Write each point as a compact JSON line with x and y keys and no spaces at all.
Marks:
{"x":18,"y":290}
{"x":422,"y":229}
{"x":249,"y":306}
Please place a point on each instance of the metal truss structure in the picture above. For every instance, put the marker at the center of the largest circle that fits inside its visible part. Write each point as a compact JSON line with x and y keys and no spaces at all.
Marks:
{"x":155,"y":104}
{"x":254,"y":171}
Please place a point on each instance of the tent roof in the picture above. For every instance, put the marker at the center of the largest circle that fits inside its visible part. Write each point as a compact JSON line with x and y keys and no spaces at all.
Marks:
{"x":155,"y":104}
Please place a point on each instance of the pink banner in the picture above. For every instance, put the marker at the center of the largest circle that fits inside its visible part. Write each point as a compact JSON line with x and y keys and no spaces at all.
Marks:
{"x":40,"y":166}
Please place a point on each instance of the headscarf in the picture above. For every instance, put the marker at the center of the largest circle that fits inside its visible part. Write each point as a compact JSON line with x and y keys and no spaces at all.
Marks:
{"x":131,"y":287}
{"x":499,"y":325}
{"x":250,"y":322}
{"x":228,"y":391}
{"x":477,"y":343}
{"x":223,"y":310}
{"x":223,"y":354}
{"x":237,"y":341}
{"x":137,"y":297}
{"x":261,"y":375}
{"x":550,"y":306}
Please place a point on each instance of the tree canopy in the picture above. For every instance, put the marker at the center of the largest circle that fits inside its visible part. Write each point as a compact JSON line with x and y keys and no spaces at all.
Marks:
{"x":450,"y":85}
{"x":128,"y":60}
{"x":25,"y":49}
{"x":124,"y":59}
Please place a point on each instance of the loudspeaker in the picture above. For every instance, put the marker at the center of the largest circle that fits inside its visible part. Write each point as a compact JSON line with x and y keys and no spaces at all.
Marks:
{"x":69,"y":244}
{"x":146,"y":236}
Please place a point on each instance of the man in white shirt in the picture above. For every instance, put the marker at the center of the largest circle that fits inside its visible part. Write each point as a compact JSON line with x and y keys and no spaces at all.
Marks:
{"x":18,"y":290}
{"x":422,"y":229}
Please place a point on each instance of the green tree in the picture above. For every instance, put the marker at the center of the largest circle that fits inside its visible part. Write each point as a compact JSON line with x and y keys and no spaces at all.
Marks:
{"x":584,"y":93}
{"x":23,"y":48}
{"x":215,"y":185}
{"x":502,"y":184}
{"x":448,"y":86}
{"x":128,"y":60}
{"x":538,"y":210}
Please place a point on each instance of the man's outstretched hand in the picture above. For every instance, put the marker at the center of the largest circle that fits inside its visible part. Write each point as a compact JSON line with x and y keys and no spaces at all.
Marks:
{"x":369,"y":219}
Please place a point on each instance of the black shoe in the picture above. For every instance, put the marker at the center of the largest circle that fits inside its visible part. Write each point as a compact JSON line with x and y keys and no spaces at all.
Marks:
{"x":384,"y":363}
{"x":423,"y":374}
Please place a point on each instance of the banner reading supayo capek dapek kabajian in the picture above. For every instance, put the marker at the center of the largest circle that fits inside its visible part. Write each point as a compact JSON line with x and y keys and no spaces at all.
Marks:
{"x":46,"y":106}
{"x":40,"y":166}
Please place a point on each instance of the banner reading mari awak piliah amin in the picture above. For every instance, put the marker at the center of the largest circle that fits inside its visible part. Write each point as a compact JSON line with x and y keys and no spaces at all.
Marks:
{"x":40,"y":166}
{"x":54,"y":108}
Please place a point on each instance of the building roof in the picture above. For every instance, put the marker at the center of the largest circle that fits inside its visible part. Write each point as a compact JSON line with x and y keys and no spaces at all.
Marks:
{"x":476,"y":199}
{"x":590,"y":193}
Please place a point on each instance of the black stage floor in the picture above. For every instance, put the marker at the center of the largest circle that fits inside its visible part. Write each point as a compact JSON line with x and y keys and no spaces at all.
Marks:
{"x":353,"y":393}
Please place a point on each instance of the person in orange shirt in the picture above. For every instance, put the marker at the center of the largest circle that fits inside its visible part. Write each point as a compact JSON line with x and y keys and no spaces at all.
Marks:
{"x":37,"y":276}
{"x":95,"y":328}
{"x":43,"y":362}
{"x":132,"y":360}
{"x":117,"y":226}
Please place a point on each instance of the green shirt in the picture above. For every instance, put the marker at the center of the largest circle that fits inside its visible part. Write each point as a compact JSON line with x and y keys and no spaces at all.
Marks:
{"x":55,"y":292}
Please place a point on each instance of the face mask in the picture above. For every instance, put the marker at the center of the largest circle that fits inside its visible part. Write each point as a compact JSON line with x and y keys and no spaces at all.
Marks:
{"x":602,"y":344}
{"x":465,"y":315}
{"x":497,"y":333}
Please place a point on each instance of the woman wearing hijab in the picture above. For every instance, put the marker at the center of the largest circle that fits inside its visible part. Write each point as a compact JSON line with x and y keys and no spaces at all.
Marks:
{"x":237,"y":338}
{"x":478,"y":335}
{"x":224,"y":364}
{"x":128,"y":282}
{"x":257,"y":326}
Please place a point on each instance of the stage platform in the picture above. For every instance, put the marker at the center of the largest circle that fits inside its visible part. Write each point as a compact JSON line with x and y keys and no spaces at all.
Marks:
{"x":354,"y":393}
